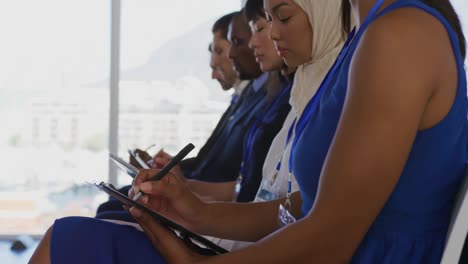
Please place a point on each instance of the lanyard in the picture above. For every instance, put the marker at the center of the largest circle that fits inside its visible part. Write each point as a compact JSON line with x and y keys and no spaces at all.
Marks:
{"x":291,"y":129}
{"x":272,"y":108}
{"x":312,"y":105}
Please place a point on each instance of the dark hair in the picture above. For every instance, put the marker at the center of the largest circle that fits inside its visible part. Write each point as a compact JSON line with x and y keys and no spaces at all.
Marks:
{"x":276,"y":81}
{"x":346,"y":17}
{"x":254,"y":9}
{"x":274,"y":85}
{"x":445,"y":8}
{"x":222,"y":24}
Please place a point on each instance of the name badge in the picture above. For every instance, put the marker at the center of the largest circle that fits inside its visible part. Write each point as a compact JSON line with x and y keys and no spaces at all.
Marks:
{"x":268,"y":191}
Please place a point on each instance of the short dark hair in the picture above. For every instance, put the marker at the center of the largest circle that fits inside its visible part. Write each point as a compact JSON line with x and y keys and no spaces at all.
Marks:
{"x":221,"y":25}
{"x":254,"y":9}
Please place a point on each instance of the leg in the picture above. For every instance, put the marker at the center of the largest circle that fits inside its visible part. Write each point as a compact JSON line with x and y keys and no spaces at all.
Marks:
{"x":42,"y":253}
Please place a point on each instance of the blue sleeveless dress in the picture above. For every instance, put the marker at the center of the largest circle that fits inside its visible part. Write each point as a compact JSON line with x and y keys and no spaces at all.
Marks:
{"x":412,"y":226}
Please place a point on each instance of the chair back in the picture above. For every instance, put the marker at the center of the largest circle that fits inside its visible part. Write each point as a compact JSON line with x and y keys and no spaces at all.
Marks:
{"x":458,"y":228}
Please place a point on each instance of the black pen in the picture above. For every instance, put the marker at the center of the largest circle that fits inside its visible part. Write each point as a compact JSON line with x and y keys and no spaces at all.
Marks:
{"x":186,"y":150}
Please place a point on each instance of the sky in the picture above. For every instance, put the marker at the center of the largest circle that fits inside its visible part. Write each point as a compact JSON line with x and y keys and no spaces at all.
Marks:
{"x":64,"y":43}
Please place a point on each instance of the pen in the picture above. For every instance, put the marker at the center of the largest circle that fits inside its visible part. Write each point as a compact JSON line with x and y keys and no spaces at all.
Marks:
{"x":177,"y":158}
{"x":143,"y":164}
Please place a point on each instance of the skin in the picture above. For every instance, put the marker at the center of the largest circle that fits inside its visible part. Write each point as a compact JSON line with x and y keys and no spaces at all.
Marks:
{"x":41,"y":255}
{"x":264,"y":49}
{"x":290,"y":30}
{"x":407,"y":82}
{"x":221,"y":64}
{"x":241,"y":55}
{"x":216,"y":73}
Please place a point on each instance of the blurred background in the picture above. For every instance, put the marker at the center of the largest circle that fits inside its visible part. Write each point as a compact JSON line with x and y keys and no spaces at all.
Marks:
{"x":55,"y":58}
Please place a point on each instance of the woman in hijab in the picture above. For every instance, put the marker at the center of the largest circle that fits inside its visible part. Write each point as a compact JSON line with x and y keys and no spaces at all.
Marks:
{"x":325,"y":45}
{"x":378,"y":152}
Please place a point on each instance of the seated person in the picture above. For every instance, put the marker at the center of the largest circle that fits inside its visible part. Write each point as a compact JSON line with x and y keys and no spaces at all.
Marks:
{"x":224,"y":73}
{"x":242,"y":106}
{"x":226,"y":153}
{"x":389,"y":136}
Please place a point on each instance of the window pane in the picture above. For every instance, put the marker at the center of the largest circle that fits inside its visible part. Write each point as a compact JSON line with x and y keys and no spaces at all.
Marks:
{"x":53,"y":107}
{"x":167,"y":96}
{"x":461,"y":7}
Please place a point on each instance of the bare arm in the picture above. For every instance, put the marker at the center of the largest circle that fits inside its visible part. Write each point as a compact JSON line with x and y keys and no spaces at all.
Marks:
{"x":223,"y":191}
{"x":207,"y":191}
{"x":246,"y":221}
{"x":238,"y":221}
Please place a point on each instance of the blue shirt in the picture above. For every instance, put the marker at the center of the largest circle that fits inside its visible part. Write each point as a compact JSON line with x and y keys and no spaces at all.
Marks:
{"x":258,"y":141}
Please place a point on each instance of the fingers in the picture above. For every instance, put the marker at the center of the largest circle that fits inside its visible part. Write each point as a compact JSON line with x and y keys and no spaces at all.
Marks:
{"x":144,"y":198}
{"x":161,"y":159}
{"x":155,"y":165}
{"x":143,"y":155}
{"x":131,"y":193}
{"x":164,"y":240}
{"x":161,"y":153}
{"x":154,"y":204}
{"x":166,"y":187}
{"x":142,"y":176}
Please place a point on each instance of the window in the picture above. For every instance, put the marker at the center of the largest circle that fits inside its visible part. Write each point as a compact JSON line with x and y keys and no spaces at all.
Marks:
{"x":54,"y":96}
{"x":461,"y":6}
{"x":54,"y":110}
{"x":165,"y":77}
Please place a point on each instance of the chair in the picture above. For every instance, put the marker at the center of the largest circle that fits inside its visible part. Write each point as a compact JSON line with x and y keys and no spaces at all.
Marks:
{"x":458,"y":228}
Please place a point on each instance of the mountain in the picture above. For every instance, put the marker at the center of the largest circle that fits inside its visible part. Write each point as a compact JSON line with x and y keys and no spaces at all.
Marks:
{"x":181,"y":56}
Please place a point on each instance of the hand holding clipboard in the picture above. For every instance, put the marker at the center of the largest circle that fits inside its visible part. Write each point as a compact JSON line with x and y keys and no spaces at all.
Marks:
{"x":201,"y":245}
{"x":194,"y":241}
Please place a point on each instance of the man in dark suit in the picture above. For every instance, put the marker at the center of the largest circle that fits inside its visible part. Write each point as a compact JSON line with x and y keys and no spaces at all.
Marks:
{"x":223,"y":72}
{"x":227,"y":149}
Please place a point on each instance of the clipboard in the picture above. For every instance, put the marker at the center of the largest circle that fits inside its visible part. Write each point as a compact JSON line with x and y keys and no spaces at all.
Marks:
{"x":123,"y":165}
{"x":194,"y":241}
